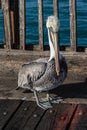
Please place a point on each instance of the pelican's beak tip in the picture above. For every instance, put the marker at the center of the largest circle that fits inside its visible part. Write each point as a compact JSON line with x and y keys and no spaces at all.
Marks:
{"x":57,"y":72}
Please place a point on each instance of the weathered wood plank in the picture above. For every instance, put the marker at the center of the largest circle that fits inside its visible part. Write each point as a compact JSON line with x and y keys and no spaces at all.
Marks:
{"x":34,"y":119}
{"x":7,"y":110}
{"x":79,"y":121}
{"x":22,"y":23}
{"x":7,"y":27}
{"x":40,"y":22}
{"x":24,"y":114}
{"x":18,"y":115}
{"x":73,"y":36}
{"x":48,"y":119}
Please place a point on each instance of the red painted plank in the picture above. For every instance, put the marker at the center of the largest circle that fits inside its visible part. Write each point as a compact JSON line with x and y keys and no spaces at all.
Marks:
{"x":64,"y":119}
{"x":79,"y":121}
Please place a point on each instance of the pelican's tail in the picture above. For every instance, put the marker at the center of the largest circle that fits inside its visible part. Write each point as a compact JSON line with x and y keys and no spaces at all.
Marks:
{"x":18,"y":87}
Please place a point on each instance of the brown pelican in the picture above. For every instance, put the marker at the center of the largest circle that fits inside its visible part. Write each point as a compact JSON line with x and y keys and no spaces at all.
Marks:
{"x":45,"y":74}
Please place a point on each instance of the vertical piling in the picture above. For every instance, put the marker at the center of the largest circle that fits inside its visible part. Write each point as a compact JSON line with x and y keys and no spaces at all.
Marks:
{"x":22,"y":23}
{"x":40,"y":21}
{"x":73,"y":35}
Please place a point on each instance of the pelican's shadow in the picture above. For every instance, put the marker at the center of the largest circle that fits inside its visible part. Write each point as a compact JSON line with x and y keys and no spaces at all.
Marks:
{"x":71,"y":90}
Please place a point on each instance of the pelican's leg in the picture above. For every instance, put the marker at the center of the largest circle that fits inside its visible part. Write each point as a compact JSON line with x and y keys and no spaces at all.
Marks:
{"x":44,"y":105}
{"x":37,"y":99}
{"x":54,"y":99}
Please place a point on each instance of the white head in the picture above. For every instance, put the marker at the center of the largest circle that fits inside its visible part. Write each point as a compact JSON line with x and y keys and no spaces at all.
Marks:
{"x":53,"y":26}
{"x":52,"y":22}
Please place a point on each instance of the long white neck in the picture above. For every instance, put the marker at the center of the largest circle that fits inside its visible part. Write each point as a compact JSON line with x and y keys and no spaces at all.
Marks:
{"x":52,"y":51}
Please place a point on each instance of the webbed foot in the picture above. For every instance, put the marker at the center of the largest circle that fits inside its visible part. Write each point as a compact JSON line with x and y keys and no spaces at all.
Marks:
{"x":54,"y":99}
{"x":45,"y":105}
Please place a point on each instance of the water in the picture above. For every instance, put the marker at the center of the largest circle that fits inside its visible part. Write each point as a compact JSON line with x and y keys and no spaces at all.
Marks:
{"x":32,"y":22}
{"x":1,"y":27}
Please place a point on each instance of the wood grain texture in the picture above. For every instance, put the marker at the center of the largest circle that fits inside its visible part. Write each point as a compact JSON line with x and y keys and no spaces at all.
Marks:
{"x":26,"y":115}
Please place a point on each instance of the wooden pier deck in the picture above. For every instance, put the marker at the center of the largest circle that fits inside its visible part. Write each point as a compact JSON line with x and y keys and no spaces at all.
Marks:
{"x":18,"y":109}
{"x":26,"y":115}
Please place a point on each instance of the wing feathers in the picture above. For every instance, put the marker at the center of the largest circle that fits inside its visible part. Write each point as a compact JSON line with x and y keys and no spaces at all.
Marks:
{"x":31,"y":72}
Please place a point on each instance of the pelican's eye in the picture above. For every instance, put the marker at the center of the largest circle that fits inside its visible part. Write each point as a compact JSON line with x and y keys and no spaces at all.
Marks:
{"x":51,"y":29}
